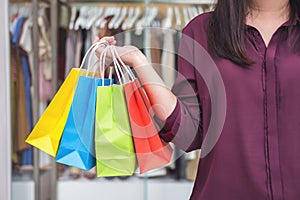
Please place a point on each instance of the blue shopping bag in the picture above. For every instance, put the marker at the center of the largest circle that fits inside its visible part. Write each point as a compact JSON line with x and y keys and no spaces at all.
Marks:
{"x":77,"y":146}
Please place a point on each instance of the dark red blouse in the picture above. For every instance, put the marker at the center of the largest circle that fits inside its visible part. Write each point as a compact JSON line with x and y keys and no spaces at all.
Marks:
{"x":245,"y":120}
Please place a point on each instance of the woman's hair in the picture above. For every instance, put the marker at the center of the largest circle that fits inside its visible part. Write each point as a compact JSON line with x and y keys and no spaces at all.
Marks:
{"x":227,"y":26}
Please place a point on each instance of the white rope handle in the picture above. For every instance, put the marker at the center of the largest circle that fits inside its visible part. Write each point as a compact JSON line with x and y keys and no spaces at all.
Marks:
{"x":119,"y":73}
{"x":90,"y":59}
{"x":128,"y":70}
{"x":89,"y":50}
{"x":102,"y":64}
{"x":119,"y":65}
{"x":110,"y":76}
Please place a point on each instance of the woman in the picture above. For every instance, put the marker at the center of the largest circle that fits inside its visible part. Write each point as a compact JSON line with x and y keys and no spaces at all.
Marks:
{"x":255,"y":46}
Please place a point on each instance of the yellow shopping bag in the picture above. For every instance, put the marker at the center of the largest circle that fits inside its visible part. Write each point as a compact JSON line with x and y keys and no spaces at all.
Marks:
{"x":48,"y":130}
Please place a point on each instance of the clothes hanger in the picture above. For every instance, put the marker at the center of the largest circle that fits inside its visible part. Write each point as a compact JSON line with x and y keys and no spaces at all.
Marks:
{"x":116,"y":13}
{"x":14,"y":20}
{"x":78,"y":21}
{"x":13,"y":10}
{"x":177,"y":17}
{"x":195,"y":10}
{"x":152,"y":15}
{"x":136,"y":16}
{"x":46,"y":53}
{"x":85,"y":16}
{"x":109,"y":11}
{"x":146,"y":20}
{"x":22,"y":11}
{"x":27,"y":10}
{"x":25,"y":38}
{"x":139,"y":25}
{"x":100,"y":17}
{"x":167,"y":22}
{"x":73,"y":18}
{"x":200,"y":10}
{"x":93,"y":15}
{"x":43,"y":33}
{"x":82,"y":19}
{"x":192,"y":12}
{"x":121,"y":18}
{"x":185,"y":15}
{"x":129,"y":17}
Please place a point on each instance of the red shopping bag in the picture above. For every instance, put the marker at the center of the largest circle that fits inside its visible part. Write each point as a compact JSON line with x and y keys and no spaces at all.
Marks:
{"x":151,"y":151}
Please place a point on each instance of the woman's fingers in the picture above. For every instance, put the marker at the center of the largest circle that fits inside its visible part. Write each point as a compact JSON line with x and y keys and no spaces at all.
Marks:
{"x":109,"y":39}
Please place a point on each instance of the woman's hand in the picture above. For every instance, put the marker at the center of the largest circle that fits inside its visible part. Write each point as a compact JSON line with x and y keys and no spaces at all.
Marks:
{"x":161,"y":98}
{"x":109,"y":40}
{"x":130,"y":55}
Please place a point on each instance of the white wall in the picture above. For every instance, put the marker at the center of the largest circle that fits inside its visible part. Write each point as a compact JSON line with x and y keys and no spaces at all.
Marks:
{"x":5,"y":128}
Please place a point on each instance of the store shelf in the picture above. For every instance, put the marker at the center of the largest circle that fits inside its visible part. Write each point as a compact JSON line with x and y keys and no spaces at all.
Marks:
{"x":132,"y":188}
{"x":184,"y":2}
{"x":23,"y":190}
{"x":23,"y":186}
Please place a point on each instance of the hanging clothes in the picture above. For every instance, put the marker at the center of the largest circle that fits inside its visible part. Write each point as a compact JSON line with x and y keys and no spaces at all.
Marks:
{"x":71,"y":47}
{"x":168,"y":58}
{"x":156,"y":49}
{"x":14,"y":105}
{"x":79,"y":44}
{"x":24,"y":109}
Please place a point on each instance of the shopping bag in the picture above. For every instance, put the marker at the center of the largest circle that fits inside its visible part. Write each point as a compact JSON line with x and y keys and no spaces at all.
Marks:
{"x":151,"y":151}
{"x":113,"y":140}
{"x":47,"y":132}
{"x":77,"y":143}
{"x":114,"y":146}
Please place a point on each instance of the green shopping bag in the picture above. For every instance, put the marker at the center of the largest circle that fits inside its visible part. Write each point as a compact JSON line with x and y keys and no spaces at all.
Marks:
{"x":115,"y":155}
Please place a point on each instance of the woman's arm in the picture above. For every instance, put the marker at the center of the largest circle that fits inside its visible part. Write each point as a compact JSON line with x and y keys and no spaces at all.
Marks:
{"x":161,"y":98}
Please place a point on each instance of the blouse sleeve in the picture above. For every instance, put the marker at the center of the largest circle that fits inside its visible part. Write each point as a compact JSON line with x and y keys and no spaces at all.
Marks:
{"x":183,"y":126}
